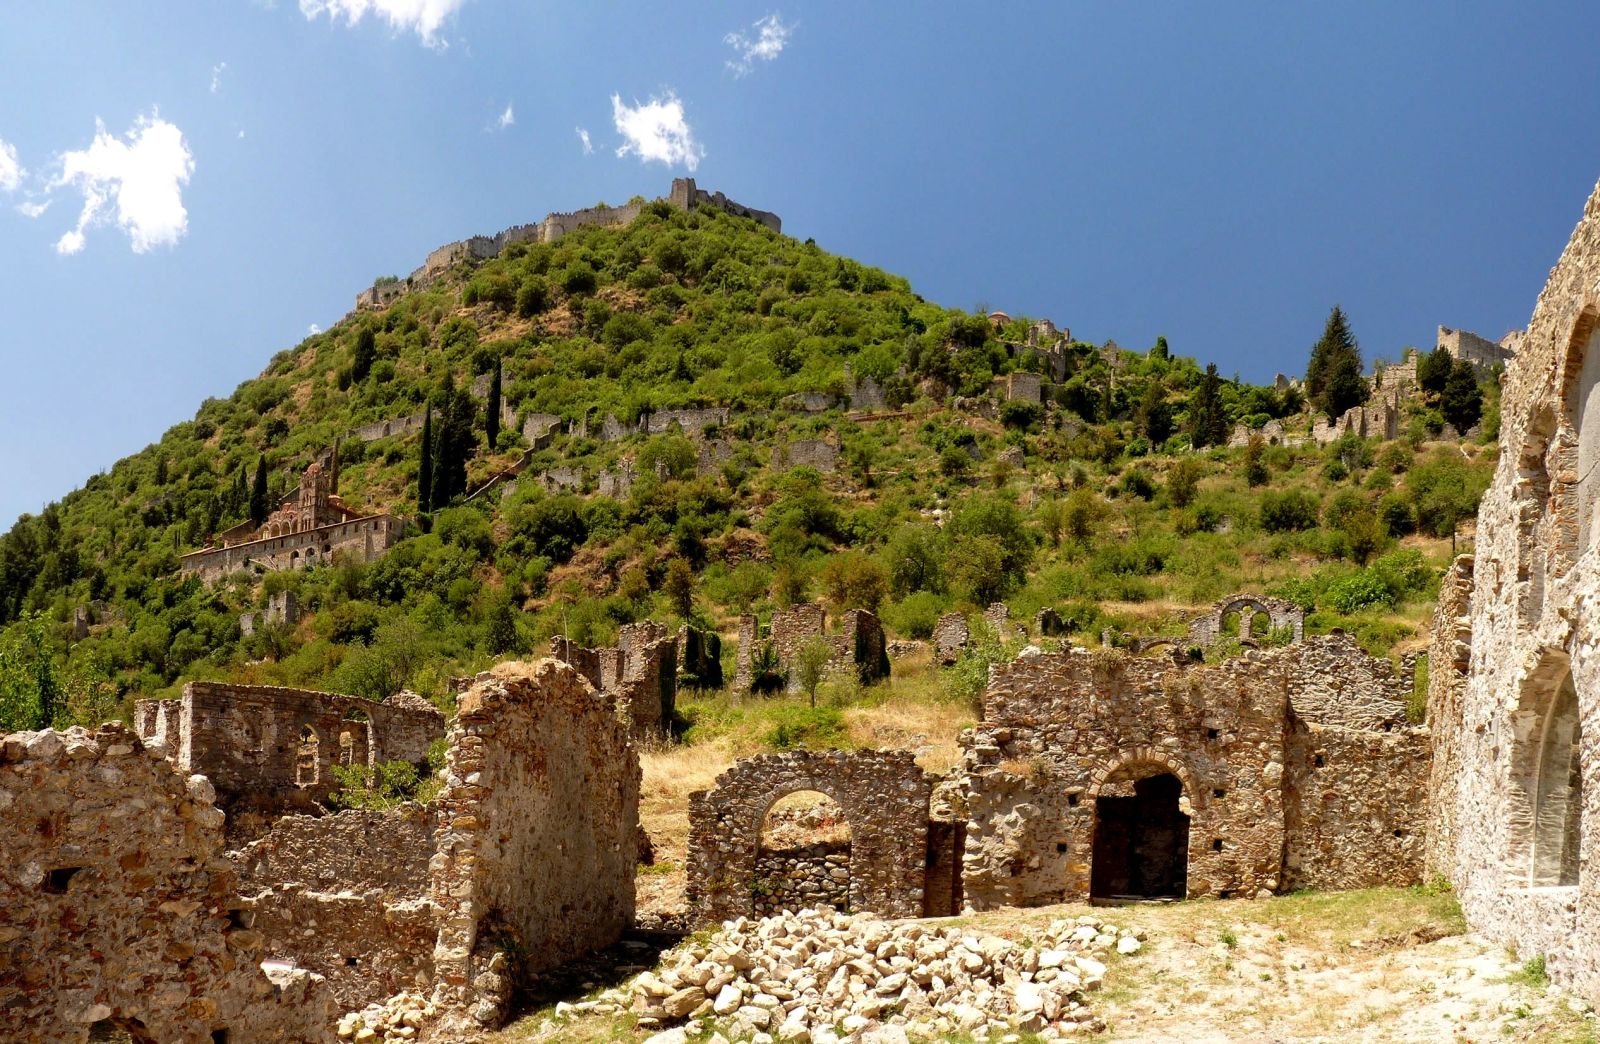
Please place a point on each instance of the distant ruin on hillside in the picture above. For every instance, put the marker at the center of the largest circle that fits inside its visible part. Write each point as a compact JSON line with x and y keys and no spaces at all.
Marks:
{"x":685,"y":195}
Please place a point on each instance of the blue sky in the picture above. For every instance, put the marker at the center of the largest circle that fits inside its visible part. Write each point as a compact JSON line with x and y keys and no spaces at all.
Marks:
{"x":1219,"y":173}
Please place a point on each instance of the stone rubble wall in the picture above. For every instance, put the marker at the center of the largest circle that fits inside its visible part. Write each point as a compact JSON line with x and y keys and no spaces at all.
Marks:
{"x":1532,"y":619}
{"x":1333,"y":682}
{"x":638,"y":675}
{"x":1355,"y":807}
{"x":536,"y":850}
{"x":950,"y":637}
{"x":120,"y":906}
{"x":1449,"y":658}
{"x":883,"y":795}
{"x":1482,"y":353}
{"x":802,"y":878}
{"x":1283,"y":615}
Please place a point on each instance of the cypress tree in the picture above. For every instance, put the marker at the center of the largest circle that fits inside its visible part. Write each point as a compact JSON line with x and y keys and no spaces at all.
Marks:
{"x":1462,"y":403}
{"x":1208,"y":425}
{"x":1333,"y":376}
{"x":258,"y":492}
{"x":491,"y":408}
{"x":453,"y":441}
{"x":425,"y":464}
{"x":366,"y":352}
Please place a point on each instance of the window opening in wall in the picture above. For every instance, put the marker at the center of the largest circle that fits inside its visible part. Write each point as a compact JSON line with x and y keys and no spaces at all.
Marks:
{"x":1141,"y":839}
{"x":55,"y":881}
{"x":1548,"y":801}
{"x":1584,"y":411}
{"x":307,"y":761}
{"x":804,"y":856}
{"x":119,"y":1031}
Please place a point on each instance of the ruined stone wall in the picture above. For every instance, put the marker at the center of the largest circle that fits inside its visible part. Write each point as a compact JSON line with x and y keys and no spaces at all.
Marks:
{"x":1355,"y":807}
{"x":1517,"y":786}
{"x":1058,"y":728}
{"x":345,"y":896}
{"x":802,"y":878}
{"x":1333,"y":682}
{"x":119,"y":907}
{"x":950,"y":637}
{"x":1449,"y":657}
{"x":808,"y":453}
{"x":883,"y":796}
{"x":536,"y":850}
{"x":386,"y":428}
{"x":1281,"y":615}
{"x":1482,"y":353}
{"x":365,"y":539}
{"x":247,"y":738}
{"x":638,"y":675}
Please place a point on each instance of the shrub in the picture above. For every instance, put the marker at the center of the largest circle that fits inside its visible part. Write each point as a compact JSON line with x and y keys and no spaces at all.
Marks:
{"x":915,"y":615}
{"x":1357,"y":591}
{"x":1397,"y":514}
{"x":1138,"y":483}
{"x":1182,"y":482}
{"x":852,"y":580}
{"x":579,"y":279}
{"x":1290,"y":511}
{"x":533,"y":297}
{"x":813,"y":728}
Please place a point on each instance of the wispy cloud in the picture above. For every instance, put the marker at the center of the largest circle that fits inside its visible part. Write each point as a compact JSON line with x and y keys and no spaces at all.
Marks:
{"x":33,"y":208}
{"x":135,"y":181}
{"x":423,"y":17}
{"x":588,"y":146}
{"x":216,"y":76}
{"x":505,"y":119}
{"x":770,"y":37}
{"x":656,"y":130}
{"x":313,"y":329}
{"x":10,"y":168}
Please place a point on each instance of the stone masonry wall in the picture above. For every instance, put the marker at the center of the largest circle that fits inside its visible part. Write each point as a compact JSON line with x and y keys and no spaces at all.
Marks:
{"x":345,"y":896}
{"x":802,"y":878}
{"x":1517,"y":750}
{"x":117,"y":905}
{"x":536,"y":849}
{"x":1355,"y":807}
{"x":882,"y":794}
{"x":1449,"y":657}
{"x":1333,"y":682}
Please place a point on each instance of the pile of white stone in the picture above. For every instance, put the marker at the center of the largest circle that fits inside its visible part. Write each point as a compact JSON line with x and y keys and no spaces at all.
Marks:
{"x":401,"y":1017}
{"x":824,"y":977}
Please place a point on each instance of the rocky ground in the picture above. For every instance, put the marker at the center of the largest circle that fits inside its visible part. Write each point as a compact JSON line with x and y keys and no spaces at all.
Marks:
{"x":1373,"y":966}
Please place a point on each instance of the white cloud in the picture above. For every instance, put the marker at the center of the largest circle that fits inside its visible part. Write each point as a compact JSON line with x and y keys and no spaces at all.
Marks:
{"x":506,"y":119}
{"x":216,"y":76}
{"x":588,"y":146}
{"x":143,"y":174}
{"x":10,"y":169}
{"x":314,"y":329}
{"x":423,"y":17}
{"x":771,"y":35}
{"x":656,"y":130}
{"x":32,"y":209}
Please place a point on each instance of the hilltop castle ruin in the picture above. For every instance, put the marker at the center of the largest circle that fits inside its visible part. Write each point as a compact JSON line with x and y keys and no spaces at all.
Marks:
{"x":684,"y":195}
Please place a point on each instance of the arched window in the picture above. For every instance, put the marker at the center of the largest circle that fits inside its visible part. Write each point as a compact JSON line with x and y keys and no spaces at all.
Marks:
{"x":804,"y":857}
{"x":1141,"y":835}
{"x":1583,"y":399}
{"x":307,"y":764}
{"x":1545,"y":825}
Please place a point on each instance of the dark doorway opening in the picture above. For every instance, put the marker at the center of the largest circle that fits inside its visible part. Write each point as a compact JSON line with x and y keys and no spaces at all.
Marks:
{"x":1141,"y":842}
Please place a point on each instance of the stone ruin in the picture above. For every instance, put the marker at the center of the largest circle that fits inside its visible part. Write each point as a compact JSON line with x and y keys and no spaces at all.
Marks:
{"x":525,"y":860}
{"x":858,"y":648}
{"x":951,"y":635}
{"x":1515,"y":675}
{"x":1482,"y":353}
{"x":883,"y":795}
{"x":1102,"y":776}
{"x":121,"y":913}
{"x":638,"y":675}
{"x":269,"y":751}
{"x":282,"y":608}
{"x":1281,"y":617}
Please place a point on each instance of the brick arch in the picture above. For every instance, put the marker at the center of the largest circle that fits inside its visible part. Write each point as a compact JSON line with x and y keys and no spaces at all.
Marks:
{"x":882,"y":794}
{"x":1141,"y":757}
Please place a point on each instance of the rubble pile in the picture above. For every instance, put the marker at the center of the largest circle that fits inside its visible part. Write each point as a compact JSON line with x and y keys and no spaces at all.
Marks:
{"x":823,"y":976}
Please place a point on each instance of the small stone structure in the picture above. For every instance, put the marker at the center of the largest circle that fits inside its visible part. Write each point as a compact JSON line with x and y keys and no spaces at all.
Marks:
{"x":1019,"y":387}
{"x":310,"y":525}
{"x":883,"y":795}
{"x":282,"y":608}
{"x":950,"y":637}
{"x":119,"y":911}
{"x":638,"y":675}
{"x":857,"y":647}
{"x":270,"y":750}
{"x":1377,"y":418}
{"x":1281,"y":615}
{"x":1109,"y":776}
{"x":1514,"y":673}
{"x":1482,"y":353}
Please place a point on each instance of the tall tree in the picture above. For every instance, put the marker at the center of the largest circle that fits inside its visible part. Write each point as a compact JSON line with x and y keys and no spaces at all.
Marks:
{"x":453,"y":440}
{"x":1154,"y":415}
{"x":491,"y":408}
{"x":365,"y":354}
{"x":1433,"y":370}
{"x":258,"y":492}
{"x":1208,"y":424}
{"x":425,"y":464}
{"x":1462,"y":403}
{"x":1333,"y":375}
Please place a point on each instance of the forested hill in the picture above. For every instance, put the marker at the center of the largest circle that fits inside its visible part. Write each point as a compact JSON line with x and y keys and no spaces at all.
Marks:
{"x":1095,"y":501}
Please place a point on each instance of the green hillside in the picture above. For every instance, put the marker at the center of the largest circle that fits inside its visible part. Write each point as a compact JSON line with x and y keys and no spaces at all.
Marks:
{"x":1094,"y":502}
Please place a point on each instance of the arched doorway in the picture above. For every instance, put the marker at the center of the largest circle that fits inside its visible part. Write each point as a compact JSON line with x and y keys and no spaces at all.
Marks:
{"x":307,"y":762}
{"x":1141,"y":836}
{"x":803,"y":860}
